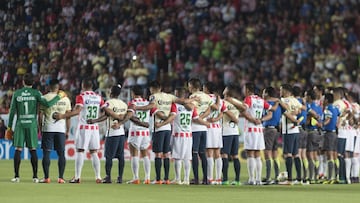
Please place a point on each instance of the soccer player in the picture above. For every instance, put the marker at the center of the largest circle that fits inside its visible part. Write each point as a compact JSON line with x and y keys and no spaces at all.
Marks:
{"x":271,"y":135}
{"x":230,"y":135}
{"x":139,"y":135}
{"x":24,"y":105}
{"x":115,"y":135}
{"x":214,"y":136}
{"x":88,"y":105}
{"x":343,"y":134}
{"x":331,"y":115}
{"x":314,"y":116}
{"x":303,"y":136}
{"x":199,"y":131}
{"x":290,"y":108}
{"x":253,"y":133}
{"x":54,"y":133}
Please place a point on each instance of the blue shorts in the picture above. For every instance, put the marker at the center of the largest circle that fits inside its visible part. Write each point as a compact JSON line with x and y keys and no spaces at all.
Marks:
{"x":341,"y":143}
{"x":291,"y":143}
{"x":199,"y":141}
{"x":114,"y":147}
{"x":53,"y":140}
{"x":230,"y":145}
{"x":161,"y":141}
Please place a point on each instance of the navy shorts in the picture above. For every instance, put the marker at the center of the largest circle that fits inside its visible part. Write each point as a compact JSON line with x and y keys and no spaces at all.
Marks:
{"x":114,"y":147}
{"x":230,"y":145}
{"x":199,"y":141}
{"x":53,"y":140}
{"x":161,"y":141}
{"x":291,"y":143}
{"x":341,"y":143}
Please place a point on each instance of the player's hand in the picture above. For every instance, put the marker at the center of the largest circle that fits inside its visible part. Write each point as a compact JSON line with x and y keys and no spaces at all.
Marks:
{"x":116,"y":125}
{"x":58,"y":116}
{"x":67,"y":135}
{"x":158,"y":124}
{"x":90,"y":121}
{"x":62,"y":94}
{"x":9,"y":134}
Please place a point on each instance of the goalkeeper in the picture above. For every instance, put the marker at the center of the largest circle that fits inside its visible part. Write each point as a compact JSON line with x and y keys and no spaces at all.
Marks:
{"x":24,"y":105}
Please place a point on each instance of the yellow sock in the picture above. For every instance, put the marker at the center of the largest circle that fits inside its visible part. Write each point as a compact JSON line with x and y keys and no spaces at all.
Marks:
{"x":317,"y":163}
{"x":336,"y":161}
{"x":306,"y":163}
{"x":277,"y":161}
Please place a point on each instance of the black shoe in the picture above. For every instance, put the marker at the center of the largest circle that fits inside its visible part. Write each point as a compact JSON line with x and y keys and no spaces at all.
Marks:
{"x":119,"y":180}
{"x":107,"y":179}
{"x":194,"y":182}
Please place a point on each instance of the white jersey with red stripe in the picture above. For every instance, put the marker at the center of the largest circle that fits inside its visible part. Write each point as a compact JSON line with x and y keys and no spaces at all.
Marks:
{"x":255,"y":107}
{"x":344,"y":106}
{"x":143,"y":116}
{"x":91,"y":104}
{"x":356,"y":110}
{"x":183,"y":119}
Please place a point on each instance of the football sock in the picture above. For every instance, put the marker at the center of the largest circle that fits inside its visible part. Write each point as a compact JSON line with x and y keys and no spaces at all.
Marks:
{"x":79,"y":162}
{"x":218,"y":168}
{"x":347,"y":167}
{"x":305,"y":167}
{"x":177,"y":169}
{"x":251,"y":168}
{"x":288,"y":163}
{"x":61,"y":163}
{"x":34,"y":162}
{"x":17,"y":160}
{"x":225,"y":168}
{"x":276,"y":167}
{"x":210,"y":168}
{"x":195,"y":165}
{"x":158,"y":168}
{"x":237,"y":168}
{"x":147,"y":167}
{"x":187,"y":167}
{"x":311,"y":169}
{"x":46,"y":163}
{"x":355,"y":167}
{"x":321,"y":166}
{"x":297,"y":162}
{"x":166,"y":168}
{"x":258,"y":168}
{"x":96,"y":164}
{"x":336,"y":166}
{"x":268,"y":168}
{"x":316,"y":169}
{"x":330,"y":169}
{"x":342,"y":174}
{"x":108,"y":165}
{"x":203,"y":165}
{"x":135,"y":167}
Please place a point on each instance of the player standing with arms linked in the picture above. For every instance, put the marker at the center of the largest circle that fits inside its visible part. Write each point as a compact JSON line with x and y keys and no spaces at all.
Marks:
{"x":54,"y":133}
{"x":24,"y":105}
{"x":87,"y":106}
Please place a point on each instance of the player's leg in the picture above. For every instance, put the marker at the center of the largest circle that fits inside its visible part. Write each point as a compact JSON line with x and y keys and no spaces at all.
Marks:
{"x":177,"y":166}
{"x":202,"y":155}
{"x":234,"y":151}
{"x":287,"y":151}
{"x":59,"y":145}
{"x":31,"y":140}
{"x":134,"y":161}
{"x":18,"y":143}
{"x":158,"y":140}
{"x":210,"y":164}
{"x":269,"y":136}
{"x":251,"y":165}
{"x":166,"y":152}
{"x":94,"y":146}
{"x":341,"y":155}
{"x":145,"y":143}
{"x":47,"y":144}
{"x":195,"y":157}
{"x":218,"y":165}
{"x":81,"y":142}
{"x":297,"y":160}
{"x":120,"y":156}
{"x":111,"y":144}
{"x":187,"y":168}
{"x":225,"y":151}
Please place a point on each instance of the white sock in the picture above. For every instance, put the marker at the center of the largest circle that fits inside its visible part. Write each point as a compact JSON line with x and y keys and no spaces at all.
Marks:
{"x":321,"y":165}
{"x":355,"y":167}
{"x":258,"y":168}
{"x":347,"y":167}
{"x":79,"y":163}
{"x":218,"y":168}
{"x":96,"y":165}
{"x":147,"y":167}
{"x":135,"y":167}
{"x":210,"y":166}
{"x":177,"y":169}
{"x":251,"y":168}
{"x":187,"y":168}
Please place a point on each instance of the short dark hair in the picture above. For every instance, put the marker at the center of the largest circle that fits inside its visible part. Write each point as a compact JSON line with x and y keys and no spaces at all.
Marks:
{"x":311,"y":93}
{"x":270,"y":91}
{"x":329,"y":97}
{"x":181,"y":90}
{"x":28,"y":79}
{"x":320,"y":87}
{"x":115,"y":90}
{"x":211,"y":87}
{"x":137,"y":90}
{"x":195,"y":82}
{"x":250,"y":87}
{"x":155,"y":84}
{"x":287,"y":87}
{"x":87,"y":83}
{"x":297,"y":91}
{"x":233,"y":89}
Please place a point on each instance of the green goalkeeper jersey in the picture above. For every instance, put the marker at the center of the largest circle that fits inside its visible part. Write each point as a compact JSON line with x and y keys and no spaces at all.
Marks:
{"x":24,"y":104}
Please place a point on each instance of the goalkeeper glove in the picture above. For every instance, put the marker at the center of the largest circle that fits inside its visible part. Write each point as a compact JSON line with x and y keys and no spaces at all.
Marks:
{"x":9,"y":134}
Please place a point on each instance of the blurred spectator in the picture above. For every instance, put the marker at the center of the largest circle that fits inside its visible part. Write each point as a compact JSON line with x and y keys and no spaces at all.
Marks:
{"x":2,"y":128}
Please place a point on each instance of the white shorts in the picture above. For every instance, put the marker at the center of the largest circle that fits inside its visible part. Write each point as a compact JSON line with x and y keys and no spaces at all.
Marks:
{"x":181,"y":146}
{"x":214,"y":138}
{"x":254,"y":138}
{"x":88,"y":138}
{"x":139,"y":139}
{"x":350,"y":140}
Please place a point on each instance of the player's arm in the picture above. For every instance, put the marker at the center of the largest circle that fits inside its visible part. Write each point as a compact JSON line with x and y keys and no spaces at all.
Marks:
{"x":240,"y":106}
{"x":68,"y":125}
{"x":168,"y":120}
{"x":102,"y":118}
{"x":268,"y":116}
{"x":251,"y":119}
{"x":206,"y":113}
{"x":51,"y":102}
{"x":138,"y":122}
{"x":13,"y":110}
{"x":232,"y":117}
{"x":69,"y":114}
{"x":111,"y":113}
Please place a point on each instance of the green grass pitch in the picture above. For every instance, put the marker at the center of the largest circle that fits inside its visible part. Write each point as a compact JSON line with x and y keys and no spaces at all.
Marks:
{"x":88,"y":191}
